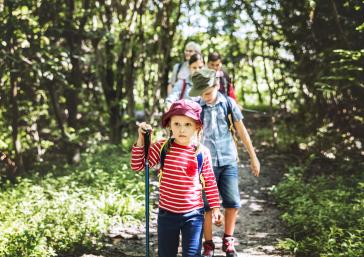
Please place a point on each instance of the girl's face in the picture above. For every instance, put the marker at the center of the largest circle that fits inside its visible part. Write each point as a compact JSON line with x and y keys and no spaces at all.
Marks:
{"x":195,"y":66}
{"x":210,"y":94}
{"x":188,"y":53}
{"x":183,"y":129}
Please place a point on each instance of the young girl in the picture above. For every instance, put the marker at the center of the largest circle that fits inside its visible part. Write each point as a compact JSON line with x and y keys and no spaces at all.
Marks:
{"x":181,"y":208}
{"x":183,"y":86}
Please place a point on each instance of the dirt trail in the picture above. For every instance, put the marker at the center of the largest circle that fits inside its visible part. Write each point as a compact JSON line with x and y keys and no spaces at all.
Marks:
{"x":257,"y":230}
{"x":258,"y":227}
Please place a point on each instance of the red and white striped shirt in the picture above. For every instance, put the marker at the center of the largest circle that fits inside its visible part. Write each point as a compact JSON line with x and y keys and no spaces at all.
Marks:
{"x":180,"y":187}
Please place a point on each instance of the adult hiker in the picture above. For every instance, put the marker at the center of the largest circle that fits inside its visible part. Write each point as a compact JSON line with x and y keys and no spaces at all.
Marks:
{"x":183,"y":86}
{"x":181,"y":207}
{"x":214,"y":62}
{"x":181,"y":70}
{"x":218,"y":138}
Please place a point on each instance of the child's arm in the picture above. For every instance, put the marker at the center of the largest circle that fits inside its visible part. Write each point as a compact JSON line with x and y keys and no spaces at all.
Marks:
{"x":217,"y":217}
{"x":245,"y":138}
{"x":211,"y":190}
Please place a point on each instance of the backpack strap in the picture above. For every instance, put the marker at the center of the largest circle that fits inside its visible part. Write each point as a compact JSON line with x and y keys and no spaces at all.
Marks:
{"x":184,"y":85}
{"x":229,"y":117}
{"x":200,"y":163}
{"x":163,"y":152}
{"x":178,"y":69}
{"x":228,"y":110}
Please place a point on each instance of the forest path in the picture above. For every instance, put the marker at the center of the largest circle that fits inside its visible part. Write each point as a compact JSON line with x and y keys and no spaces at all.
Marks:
{"x":258,"y":227}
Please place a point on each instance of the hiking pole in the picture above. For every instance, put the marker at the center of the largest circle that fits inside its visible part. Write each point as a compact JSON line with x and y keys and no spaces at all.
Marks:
{"x":146,"y":149}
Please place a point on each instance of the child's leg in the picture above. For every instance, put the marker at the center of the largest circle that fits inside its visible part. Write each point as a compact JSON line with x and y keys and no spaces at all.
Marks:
{"x":229,"y":191}
{"x":169,"y":226}
{"x":229,"y":188}
{"x":192,"y":233}
{"x":230,"y":219}
{"x":207,"y":227}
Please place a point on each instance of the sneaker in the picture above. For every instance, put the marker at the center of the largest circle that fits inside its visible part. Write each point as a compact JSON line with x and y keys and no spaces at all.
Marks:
{"x":228,"y":246}
{"x":208,"y":249}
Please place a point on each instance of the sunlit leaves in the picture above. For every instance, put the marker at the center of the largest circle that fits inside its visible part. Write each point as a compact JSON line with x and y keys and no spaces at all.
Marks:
{"x":44,"y":216}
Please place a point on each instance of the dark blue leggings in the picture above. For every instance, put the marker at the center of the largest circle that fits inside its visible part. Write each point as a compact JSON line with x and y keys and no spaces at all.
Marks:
{"x":171,"y":225}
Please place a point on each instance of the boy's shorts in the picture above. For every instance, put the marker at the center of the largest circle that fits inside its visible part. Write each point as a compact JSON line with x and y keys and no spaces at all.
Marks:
{"x":227,"y":180}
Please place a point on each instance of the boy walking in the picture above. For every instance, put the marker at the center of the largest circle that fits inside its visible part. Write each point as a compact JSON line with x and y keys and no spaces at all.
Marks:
{"x":214,"y":62}
{"x":217,"y":137}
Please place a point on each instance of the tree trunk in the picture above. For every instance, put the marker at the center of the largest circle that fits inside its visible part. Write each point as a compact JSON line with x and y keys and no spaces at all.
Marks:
{"x":271,"y":96}
{"x":75,"y":82}
{"x":14,"y":92}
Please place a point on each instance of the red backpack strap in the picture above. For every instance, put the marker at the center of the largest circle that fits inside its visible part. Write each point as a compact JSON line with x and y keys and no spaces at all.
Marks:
{"x":183,"y":89}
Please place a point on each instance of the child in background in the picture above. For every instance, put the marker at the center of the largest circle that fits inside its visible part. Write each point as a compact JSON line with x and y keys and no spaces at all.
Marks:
{"x":218,"y":139}
{"x":183,"y":86}
{"x":181,"y":70}
{"x":226,"y":86}
{"x":181,"y":207}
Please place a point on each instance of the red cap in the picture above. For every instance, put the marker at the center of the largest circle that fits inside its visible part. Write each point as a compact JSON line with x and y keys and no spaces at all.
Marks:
{"x":183,"y":107}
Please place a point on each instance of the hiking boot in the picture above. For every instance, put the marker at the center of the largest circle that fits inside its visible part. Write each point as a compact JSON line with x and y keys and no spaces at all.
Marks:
{"x":228,"y":246}
{"x":208,"y":249}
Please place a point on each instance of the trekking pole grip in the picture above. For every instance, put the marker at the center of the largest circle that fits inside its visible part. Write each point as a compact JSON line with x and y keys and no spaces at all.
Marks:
{"x":146,"y":142}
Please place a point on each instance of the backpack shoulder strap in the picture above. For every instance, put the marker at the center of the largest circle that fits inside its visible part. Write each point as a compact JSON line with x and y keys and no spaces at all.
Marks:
{"x":200,"y":164}
{"x":184,"y":85}
{"x":228,"y":109}
{"x":163,"y":152}
{"x":178,"y":69}
{"x":202,"y":115}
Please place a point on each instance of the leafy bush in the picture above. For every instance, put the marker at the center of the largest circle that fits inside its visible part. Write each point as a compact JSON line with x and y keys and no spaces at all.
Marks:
{"x":72,"y":207}
{"x":324,"y":215}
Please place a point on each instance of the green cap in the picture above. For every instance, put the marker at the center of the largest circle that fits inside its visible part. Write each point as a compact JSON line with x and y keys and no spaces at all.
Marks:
{"x":202,"y":80}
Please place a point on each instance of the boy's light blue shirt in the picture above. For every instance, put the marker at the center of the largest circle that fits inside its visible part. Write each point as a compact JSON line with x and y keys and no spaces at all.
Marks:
{"x":216,"y":134}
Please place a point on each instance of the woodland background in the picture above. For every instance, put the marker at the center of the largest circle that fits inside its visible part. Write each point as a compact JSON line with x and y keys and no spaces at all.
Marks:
{"x":76,"y":75}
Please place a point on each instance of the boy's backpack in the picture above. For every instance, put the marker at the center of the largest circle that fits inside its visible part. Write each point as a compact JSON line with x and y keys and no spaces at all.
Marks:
{"x":163,"y":153}
{"x":229,"y":117}
{"x":226,"y":85}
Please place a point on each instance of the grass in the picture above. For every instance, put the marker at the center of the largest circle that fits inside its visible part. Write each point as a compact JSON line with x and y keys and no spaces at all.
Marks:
{"x":71,"y":207}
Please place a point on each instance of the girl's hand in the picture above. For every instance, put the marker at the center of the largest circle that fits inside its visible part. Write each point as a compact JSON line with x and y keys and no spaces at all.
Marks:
{"x":143,"y":127}
{"x":255,"y":166}
{"x":217,"y":217}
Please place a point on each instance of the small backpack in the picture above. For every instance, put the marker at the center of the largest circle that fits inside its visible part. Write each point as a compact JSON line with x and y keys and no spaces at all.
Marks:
{"x":226,"y":85}
{"x":163,"y":153}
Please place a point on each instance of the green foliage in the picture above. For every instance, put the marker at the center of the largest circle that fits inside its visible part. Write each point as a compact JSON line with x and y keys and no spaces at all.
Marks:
{"x":70,"y":207}
{"x":324,"y":215}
